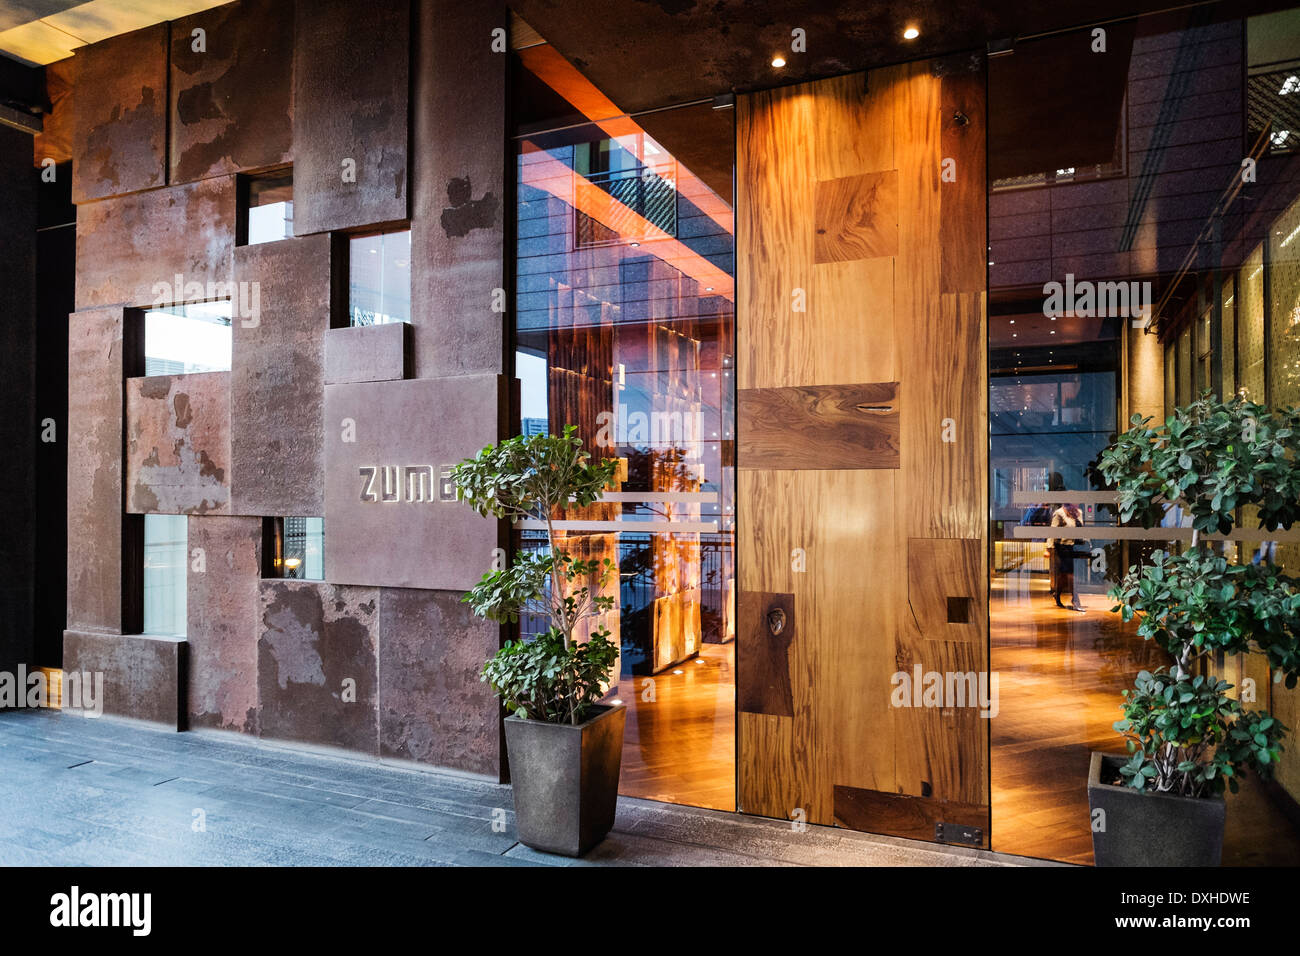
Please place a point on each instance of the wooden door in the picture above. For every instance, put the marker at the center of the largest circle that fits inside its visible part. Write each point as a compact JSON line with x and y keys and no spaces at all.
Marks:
{"x":862,"y":449}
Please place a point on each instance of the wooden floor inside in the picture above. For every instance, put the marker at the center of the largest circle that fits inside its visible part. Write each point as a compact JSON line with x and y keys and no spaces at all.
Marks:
{"x":680,"y":746}
{"x":1061,"y":673}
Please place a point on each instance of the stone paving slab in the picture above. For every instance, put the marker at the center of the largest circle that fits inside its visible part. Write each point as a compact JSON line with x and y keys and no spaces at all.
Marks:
{"x":105,"y":792}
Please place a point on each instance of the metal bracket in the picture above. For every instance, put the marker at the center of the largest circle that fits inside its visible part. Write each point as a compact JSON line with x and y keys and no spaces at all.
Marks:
{"x":958,"y":833}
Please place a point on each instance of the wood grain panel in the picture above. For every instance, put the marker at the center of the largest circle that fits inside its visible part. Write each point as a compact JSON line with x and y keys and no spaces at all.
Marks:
{"x":962,"y":200}
{"x":905,"y":816}
{"x":940,"y":570}
{"x":856,"y":217}
{"x":835,"y":535}
{"x":819,"y":427}
{"x":763,"y":663}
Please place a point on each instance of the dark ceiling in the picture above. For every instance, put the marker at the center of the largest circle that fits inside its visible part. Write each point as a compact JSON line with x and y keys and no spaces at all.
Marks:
{"x":648,"y":53}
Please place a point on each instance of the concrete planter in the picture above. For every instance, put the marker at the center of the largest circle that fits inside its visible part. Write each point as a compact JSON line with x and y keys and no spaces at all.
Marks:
{"x":1151,"y":829}
{"x":565,"y":779}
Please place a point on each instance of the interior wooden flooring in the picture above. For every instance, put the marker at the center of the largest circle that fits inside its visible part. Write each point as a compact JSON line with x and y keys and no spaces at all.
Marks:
{"x":1061,"y":673}
{"x":680,"y":747}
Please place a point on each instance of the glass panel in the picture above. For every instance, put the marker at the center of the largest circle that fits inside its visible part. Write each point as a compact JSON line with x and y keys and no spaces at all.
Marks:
{"x":165,"y":546}
{"x":379,"y":278}
{"x":1173,"y":220}
{"x":1229,"y":337}
{"x":270,"y":208}
{"x":1250,"y":328}
{"x":187,"y":338}
{"x":624,"y":328}
{"x":299,"y":549}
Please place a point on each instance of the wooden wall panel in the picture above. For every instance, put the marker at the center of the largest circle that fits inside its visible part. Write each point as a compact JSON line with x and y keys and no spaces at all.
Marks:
{"x":858,"y":262}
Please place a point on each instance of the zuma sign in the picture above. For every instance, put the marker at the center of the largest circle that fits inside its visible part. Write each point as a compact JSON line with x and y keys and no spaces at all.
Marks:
{"x":391,"y":515}
{"x":408,"y":483}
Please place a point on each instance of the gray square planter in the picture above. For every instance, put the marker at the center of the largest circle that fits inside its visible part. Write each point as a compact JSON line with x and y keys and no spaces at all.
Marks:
{"x":1151,"y":829}
{"x":565,"y":779}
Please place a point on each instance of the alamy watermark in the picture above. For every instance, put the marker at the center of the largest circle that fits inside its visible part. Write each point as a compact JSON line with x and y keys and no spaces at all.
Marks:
{"x":80,"y":691}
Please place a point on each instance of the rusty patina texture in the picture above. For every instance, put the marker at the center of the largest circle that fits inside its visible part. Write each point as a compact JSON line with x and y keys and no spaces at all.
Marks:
{"x":231,"y":106}
{"x":386,"y":444}
{"x":178,"y":443}
{"x":95,"y":469}
{"x":131,"y":249}
{"x":432,"y":706}
{"x":457,"y":227}
{"x":349,"y":116}
{"x":277,"y":379}
{"x":142,"y":673}
{"x":317,"y":651}
{"x":120,"y":109}
{"x":222,"y":620}
{"x":366,"y":353}
{"x":57,"y":134}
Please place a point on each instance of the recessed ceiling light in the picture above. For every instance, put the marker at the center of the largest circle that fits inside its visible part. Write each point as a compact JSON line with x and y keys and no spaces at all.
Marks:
{"x":911,"y":33}
{"x":636,"y":245}
{"x":778,"y":61}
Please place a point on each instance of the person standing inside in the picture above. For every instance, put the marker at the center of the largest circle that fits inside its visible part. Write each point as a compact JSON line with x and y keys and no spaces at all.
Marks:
{"x":1063,"y":553}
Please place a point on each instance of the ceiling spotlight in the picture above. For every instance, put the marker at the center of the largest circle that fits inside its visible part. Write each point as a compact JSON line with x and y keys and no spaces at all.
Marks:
{"x":778,"y":61}
{"x":911,"y":33}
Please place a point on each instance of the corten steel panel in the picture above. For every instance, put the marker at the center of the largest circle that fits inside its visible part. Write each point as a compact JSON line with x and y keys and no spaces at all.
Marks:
{"x":143,"y":674}
{"x":178,"y":444}
{"x":277,"y":377}
{"x":130,"y":250}
{"x":457,"y":228}
{"x":403,"y":434}
{"x":95,"y":371}
{"x":231,"y":104}
{"x":222,"y":618}
{"x":350,"y":81}
{"x":120,"y":108}
{"x":366,"y":353}
{"x":317,"y":652}
{"x":56,"y":137}
{"x":432,"y":706}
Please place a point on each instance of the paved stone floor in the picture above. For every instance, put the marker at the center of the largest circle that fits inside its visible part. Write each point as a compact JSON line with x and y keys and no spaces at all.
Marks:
{"x":97,"y":792}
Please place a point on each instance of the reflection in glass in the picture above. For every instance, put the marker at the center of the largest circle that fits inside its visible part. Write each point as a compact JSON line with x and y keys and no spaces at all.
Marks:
{"x":295,"y":549}
{"x":624,"y":326}
{"x":187,"y":338}
{"x":270,"y":208}
{"x":1164,"y":204}
{"x":165,"y":545}
{"x":379,"y":278}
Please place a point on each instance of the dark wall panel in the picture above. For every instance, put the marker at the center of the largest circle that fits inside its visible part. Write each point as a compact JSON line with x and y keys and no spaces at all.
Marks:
{"x":231,"y":103}
{"x":317,"y":664}
{"x":350,"y":95}
{"x":131,"y":248}
{"x":120,"y":127}
{"x":222,"y":620}
{"x":432,"y":706}
{"x":19,"y":427}
{"x":457,"y":231}
{"x":277,"y":379}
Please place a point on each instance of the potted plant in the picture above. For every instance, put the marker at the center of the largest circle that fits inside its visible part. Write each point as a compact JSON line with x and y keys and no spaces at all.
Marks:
{"x":564,"y":746}
{"x":1186,"y":737}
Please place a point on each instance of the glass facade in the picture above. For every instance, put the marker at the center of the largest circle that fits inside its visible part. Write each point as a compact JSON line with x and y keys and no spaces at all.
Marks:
{"x":624,"y":328}
{"x":1211,"y":260}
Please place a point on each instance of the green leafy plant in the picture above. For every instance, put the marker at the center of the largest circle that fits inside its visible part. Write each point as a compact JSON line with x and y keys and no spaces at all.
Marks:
{"x":1185,"y":734}
{"x":551,"y":677}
